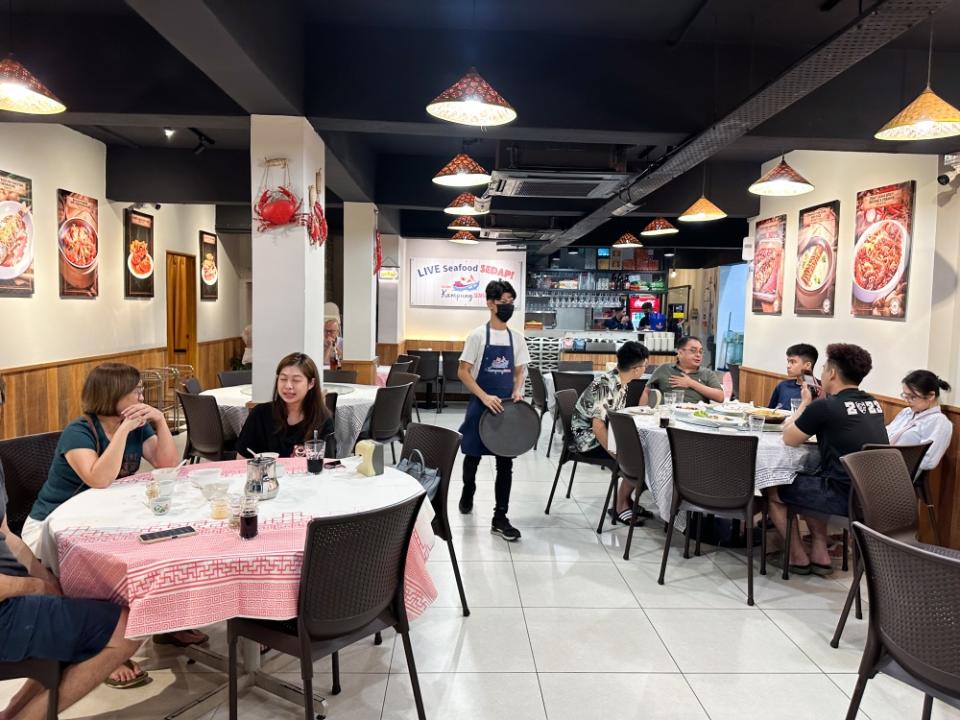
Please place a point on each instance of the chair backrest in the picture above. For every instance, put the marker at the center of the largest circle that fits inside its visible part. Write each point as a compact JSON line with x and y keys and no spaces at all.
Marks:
{"x":566,"y":401}
{"x":25,"y":463}
{"x":634,"y":392}
{"x":439,"y":446}
{"x":399,"y":367}
{"x":386,"y":418}
{"x":451,"y":366}
{"x":713,"y":470}
{"x":571,"y":381}
{"x":575,"y":365}
{"x":204,"y":429}
{"x":654,"y":398}
{"x":348,"y":377}
{"x":230,"y":378}
{"x":192,"y":386}
{"x":405,"y":378}
{"x":912,"y":455}
{"x":412,"y":359}
{"x":537,"y":387}
{"x":629,"y":450}
{"x":331,"y":401}
{"x":734,"y":370}
{"x":429,"y":367}
{"x":884,"y":491}
{"x":353,"y":569}
{"x":914,"y":606}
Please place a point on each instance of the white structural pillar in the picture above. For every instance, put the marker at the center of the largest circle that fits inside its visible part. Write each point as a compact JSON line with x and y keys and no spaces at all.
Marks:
{"x":359,"y":284}
{"x":390,"y":319}
{"x":288,"y":272}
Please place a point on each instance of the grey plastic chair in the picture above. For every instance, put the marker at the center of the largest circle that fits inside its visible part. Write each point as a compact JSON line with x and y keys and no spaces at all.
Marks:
{"x":576,"y":381}
{"x":232,"y":378}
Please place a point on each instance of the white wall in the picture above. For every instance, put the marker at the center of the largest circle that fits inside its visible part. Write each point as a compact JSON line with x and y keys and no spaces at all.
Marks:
{"x":46,"y":328}
{"x":433,"y":323}
{"x":897,"y":346}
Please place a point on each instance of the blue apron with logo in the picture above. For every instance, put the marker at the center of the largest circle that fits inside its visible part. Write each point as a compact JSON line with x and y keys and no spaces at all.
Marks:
{"x":495,"y":378}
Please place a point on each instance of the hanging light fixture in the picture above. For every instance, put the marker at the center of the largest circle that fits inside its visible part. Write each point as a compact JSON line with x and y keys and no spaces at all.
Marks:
{"x":21,"y":92}
{"x":464,"y":204}
{"x":702,"y":210}
{"x":464,"y":222}
{"x":472,"y":101}
{"x":927,"y":118}
{"x":464,"y":238}
{"x":781,"y":181}
{"x":659,"y":226}
{"x":462,"y":171}
{"x":628,"y":240}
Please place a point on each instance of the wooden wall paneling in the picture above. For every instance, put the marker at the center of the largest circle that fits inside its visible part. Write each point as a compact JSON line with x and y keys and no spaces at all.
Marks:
{"x":366,"y":370}
{"x":389,"y":352}
{"x":441,"y":345}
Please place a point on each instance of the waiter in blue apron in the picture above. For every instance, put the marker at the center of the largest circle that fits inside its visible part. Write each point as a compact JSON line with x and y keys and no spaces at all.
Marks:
{"x":491,"y":368}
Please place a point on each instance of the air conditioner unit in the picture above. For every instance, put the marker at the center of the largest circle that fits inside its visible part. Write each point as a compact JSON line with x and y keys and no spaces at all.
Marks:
{"x":555,"y":184}
{"x":499,"y":233}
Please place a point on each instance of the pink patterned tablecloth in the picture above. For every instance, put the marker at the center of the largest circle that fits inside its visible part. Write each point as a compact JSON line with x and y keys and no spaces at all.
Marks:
{"x":382,"y":372}
{"x":215,"y":575}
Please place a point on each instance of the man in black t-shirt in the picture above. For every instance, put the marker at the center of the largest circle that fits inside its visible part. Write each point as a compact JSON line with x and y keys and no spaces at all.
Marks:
{"x":845,"y":420}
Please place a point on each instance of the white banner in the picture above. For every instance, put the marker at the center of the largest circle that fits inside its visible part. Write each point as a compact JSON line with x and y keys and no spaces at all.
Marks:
{"x":448,"y":282}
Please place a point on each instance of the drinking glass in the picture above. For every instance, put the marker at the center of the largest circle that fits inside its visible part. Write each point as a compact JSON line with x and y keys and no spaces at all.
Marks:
{"x":794,"y":405}
{"x":235,"y":501}
{"x":314,"y":450}
{"x":671,"y":398}
{"x":664,"y":412}
{"x":755,"y":423}
{"x":219,"y":507}
{"x":248,"y":517}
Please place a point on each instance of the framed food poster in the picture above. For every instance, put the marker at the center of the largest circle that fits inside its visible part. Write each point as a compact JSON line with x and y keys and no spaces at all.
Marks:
{"x":209,"y":267}
{"x":817,"y":259}
{"x":16,"y":235}
{"x":138,"y":263}
{"x":770,"y":236}
{"x":78,"y":227}
{"x":881,"y":252}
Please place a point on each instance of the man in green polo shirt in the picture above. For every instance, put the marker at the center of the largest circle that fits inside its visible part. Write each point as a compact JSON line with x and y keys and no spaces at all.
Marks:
{"x":686,"y":376}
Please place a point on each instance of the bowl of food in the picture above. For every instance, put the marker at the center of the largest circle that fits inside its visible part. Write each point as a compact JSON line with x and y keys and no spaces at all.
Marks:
{"x":139,"y":261}
{"x":879,"y":260}
{"x":78,"y":252}
{"x":16,"y":239}
{"x":766,"y":277}
{"x":208,"y":270}
{"x":771,"y":416}
{"x":816,"y":268}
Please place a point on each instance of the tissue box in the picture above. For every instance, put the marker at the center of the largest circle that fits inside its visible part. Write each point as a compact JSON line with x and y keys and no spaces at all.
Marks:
{"x":371,"y":458}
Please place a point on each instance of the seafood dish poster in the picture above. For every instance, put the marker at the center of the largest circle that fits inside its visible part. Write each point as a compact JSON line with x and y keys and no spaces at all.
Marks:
{"x":138,"y":257}
{"x":817,"y":237}
{"x":769,"y":239}
{"x":16,"y":235}
{"x":78,"y":243}
{"x":881,"y":251}
{"x":209,"y":266}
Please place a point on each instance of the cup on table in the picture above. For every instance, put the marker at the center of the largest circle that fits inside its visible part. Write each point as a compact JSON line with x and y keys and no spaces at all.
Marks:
{"x":219,"y":507}
{"x":664,"y":412}
{"x":160,"y":490}
{"x":234,"y":502}
{"x":671,"y":398}
{"x":794,"y":405}
{"x":755,"y":423}
{"x":315,"y":451}
{"x":248,"y":517}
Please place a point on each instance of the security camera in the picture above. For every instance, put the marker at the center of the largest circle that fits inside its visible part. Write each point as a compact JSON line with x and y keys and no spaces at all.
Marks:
{"x":949,"y":176}
{"x":156,"y":206}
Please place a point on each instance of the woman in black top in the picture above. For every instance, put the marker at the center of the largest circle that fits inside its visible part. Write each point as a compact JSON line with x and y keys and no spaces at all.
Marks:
{"x":297,"y":410}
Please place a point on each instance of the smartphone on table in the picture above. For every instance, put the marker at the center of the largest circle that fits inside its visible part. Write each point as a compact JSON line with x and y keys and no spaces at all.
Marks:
{"x":169,"y":534}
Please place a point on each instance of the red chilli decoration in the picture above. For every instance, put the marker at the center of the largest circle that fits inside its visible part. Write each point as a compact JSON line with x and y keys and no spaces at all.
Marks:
{"x":377,"y":255}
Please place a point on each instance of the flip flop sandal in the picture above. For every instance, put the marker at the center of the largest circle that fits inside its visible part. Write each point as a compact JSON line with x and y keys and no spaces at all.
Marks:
{"x":801,"y":569}
{"x":140,"y":679}
{"x":821,"y":570}
{"x":625,"y":517}
{"x":172,"y":639}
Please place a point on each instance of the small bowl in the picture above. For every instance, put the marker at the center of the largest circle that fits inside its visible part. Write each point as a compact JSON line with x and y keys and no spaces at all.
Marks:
{"x":871,"y":296}
{"x":213,"y":488}
{"x":199,"y":477}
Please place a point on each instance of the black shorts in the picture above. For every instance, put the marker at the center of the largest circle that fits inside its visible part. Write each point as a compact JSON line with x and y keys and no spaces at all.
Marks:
{"x":49,"y":627}
{"x":817,"y":495}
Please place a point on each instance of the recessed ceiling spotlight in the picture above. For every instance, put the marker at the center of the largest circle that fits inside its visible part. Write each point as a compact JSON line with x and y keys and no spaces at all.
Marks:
{"x":669,"y":254}
{"x":169,"y":132}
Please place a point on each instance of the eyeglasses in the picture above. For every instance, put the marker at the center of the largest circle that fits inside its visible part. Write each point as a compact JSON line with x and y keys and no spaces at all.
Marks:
{"x":910,"y":396}
{"x":138,"y":390}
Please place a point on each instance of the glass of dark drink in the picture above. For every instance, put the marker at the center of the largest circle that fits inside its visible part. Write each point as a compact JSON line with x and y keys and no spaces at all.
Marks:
{"x":315,"y":450}
{"x":664,"y":421}
{"x":248,"y":518}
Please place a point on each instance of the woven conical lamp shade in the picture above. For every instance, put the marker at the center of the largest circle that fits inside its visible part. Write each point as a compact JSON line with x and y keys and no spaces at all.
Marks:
{"x":462,"y":171}
{"x":781,"y":181}
{"x":628,"y":240}
{"x":464,"y":222}
{"x":464,"y":238}
{"x":659,"y":226}
{"x":472,"y":101}
{"x":464,"y":204}
{"x":927,"y":118}
{"x":702,"y":211}
{"x":21,"y":92}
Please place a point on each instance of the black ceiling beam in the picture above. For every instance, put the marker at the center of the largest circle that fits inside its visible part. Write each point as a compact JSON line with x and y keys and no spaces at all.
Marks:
{"x":350,"y":167}
{"x":115,"y":120}
{"x":887,"y":20}
{"x":178,"y":176}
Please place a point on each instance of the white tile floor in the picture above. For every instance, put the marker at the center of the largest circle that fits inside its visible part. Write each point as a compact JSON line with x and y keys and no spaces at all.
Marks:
{"x":563,"y":628}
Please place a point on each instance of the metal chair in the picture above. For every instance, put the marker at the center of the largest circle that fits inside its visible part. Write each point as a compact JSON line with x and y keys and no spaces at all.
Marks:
{"x":884,"y":500}
{"x":451,"y":376}
{"x":348,"y":377}
{"x":913,"y":456}
{"x":405,"y":378}
{"x":632,"y":465}
{"x":913,"y":634}
{"x":412,"y":359}
{"x":192,"y":386}
{"x":401,"y":367}
{"x":715,"y":474}
{"x":205,"y":436}
{"x":565,"y":400}
{"x":45,"y":672}
{"x":429,"y":372}
{"x":439,"y":447}
{"x":25,"y":463}
{"x":576,"y":381}
{"x":231,"y":378}
{"x":539,"y":390}
{"x":386,"y":417}
{"x":351,"y":586}
{"x":635,"y":392}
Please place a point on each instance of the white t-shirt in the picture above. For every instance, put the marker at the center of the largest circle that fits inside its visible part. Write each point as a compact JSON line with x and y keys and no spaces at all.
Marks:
{"x":476,"y":340}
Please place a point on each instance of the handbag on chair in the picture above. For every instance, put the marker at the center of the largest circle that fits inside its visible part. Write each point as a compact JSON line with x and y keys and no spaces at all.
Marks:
{"x":428,"y":477}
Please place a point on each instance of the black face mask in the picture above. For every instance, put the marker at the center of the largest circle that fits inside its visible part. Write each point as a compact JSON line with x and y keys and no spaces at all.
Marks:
{"x":504,"y":312}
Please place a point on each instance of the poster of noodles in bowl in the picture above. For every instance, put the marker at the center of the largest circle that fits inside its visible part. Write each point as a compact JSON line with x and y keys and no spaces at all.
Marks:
{"x":16,"y":236}
{"x":209,"y":266}
{"x":138,"y":257}
{"x":770,"y":236}
{"x":78,"y":242}
{"x":817,"y":259}
{"x":881,"y":251}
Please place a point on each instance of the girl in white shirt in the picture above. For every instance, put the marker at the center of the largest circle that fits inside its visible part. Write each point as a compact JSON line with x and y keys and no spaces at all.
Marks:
{"x":922,"y":420}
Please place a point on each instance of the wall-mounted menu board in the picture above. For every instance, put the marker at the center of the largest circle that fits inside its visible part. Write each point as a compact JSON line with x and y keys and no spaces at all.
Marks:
{"x":78,"y":239}
{"x":138,"y":257}
{"x":16,"y":235}
{"x":817,"y":259}
{"x":881,"y":253}
{"x":770,"y":236}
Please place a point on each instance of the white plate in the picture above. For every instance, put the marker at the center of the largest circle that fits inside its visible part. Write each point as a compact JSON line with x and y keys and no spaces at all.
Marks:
{"x":139,"y":276}
{"x":11,"y":207}
{"x":211,"y":281}
{"x":338,"y":388}
{"x":707,"y":422}
{"x":638,"y":411}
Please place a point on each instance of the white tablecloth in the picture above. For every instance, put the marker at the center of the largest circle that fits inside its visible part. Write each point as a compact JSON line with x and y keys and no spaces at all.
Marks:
{"x":352,"y":410}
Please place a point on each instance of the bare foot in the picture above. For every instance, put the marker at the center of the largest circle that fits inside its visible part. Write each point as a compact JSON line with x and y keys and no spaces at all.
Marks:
{"x":125,"y":673}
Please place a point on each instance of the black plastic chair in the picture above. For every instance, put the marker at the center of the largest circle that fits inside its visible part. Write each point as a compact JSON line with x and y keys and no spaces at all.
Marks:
{"x":575,"y":365}
{"x":429,"y":372}
{"x":715,"y":474}
{"x":192,"y":386}
{"x":348,"y":377}
{"x":351,"y":587}
{"x":405,"y":378}
{"x":575,"y":381}
{"x":635,"y":392}
{"x":205,"y":436}
{"x":632,"y":465}
{"x":451,"y":370}
{"x":399,"y":367}
{"x":412,"y":359}
{"x":439,"y":447}
{"x":332,"y":450}
{"x":914,"y":631}
{"x":565,"y":400}
{"x":232,"y":378}
{"x":45,"y":672}
{"x":386,"y":417}
{"x":539,"y":391}
{"x":25,"y":462}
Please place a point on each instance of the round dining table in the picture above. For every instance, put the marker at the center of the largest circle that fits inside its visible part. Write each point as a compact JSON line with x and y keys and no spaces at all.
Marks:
{"x":353,"y":405}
